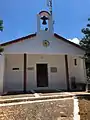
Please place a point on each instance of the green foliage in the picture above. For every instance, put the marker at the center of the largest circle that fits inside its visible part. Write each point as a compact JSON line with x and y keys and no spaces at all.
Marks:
{"x":1,"y":25}
{"x":1,"y":29}
{"x":85,"y":43}
{"x":1,"y":49}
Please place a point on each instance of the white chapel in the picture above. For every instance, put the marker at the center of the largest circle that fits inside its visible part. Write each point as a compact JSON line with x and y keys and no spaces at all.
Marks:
{"x":43,"y":60}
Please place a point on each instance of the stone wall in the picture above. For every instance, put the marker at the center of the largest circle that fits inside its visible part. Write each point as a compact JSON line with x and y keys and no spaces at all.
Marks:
{"x":61,"y":109}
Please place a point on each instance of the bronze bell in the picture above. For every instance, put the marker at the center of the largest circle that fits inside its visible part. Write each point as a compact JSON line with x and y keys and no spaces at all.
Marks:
{"x":44,"y":22}
{"x":44,"y":18}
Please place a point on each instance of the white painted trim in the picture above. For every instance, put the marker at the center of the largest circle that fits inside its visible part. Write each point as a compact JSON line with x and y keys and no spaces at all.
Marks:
{"x":76,"y":110}
{"x":2,"y":71}
{"x":43,"y":53}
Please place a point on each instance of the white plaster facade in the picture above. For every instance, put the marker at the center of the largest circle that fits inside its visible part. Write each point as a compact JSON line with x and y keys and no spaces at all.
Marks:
{"x":14,"y":79}
{"x":34,"y":45}
{"x":53,"y":56}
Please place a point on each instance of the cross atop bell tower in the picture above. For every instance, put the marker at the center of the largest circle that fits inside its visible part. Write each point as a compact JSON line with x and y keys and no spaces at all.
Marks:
{"x":49,"y":4}
{"x":44,"y":19}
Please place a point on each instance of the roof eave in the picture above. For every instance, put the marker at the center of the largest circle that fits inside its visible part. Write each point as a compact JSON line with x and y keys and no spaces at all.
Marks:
{"x":19,"y":39}
{"x":65,"y":40}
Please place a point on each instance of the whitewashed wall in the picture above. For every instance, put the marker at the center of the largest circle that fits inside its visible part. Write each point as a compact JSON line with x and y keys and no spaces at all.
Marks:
{"x":1,"y":72}
{"x":77,"y":71}
{"x":55,"y":80}
{"x":13,"y":80}
{"x":35,"y":46}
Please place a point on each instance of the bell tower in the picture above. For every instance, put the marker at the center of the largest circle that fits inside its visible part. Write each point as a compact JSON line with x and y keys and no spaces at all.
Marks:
{"x":44,"y":20}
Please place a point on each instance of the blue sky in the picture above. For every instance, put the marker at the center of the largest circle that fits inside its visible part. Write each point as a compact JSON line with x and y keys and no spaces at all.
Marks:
{"x":19,"y":17}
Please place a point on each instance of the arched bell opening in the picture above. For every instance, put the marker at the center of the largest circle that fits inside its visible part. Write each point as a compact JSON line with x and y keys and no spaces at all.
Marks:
{"x":44,"y":22}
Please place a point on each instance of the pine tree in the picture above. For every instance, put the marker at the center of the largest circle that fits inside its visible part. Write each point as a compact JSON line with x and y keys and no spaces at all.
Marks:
{"x":1,"y":29}
{"x":85,"y":43}
{"x":1,"y":25}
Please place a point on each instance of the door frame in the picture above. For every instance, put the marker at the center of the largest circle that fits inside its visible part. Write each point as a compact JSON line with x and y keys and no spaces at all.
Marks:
{"x":48,"y":71}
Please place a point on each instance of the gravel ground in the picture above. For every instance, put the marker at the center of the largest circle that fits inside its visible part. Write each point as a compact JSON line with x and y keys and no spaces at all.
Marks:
{"x":48,"y":110}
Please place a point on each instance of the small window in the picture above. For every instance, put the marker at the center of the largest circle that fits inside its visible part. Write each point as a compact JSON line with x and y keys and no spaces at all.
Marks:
{"x":75,"y":62}
{"x":15,"y":68}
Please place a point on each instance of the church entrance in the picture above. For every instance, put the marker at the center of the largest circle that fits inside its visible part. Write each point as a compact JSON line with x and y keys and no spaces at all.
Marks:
{"x":42,"y":75}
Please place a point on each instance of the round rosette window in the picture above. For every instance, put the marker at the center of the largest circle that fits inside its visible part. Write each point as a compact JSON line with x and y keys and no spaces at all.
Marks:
{"x":46,"y":43}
